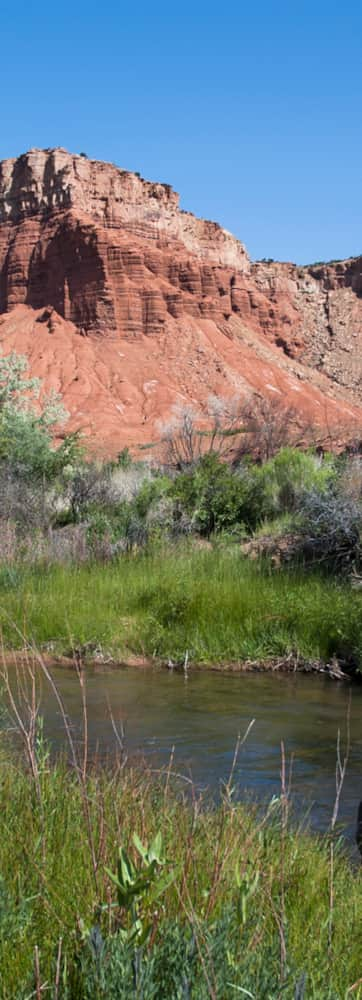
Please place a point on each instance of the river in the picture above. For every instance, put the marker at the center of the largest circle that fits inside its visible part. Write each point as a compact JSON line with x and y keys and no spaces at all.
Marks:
{"x":201,"y":716}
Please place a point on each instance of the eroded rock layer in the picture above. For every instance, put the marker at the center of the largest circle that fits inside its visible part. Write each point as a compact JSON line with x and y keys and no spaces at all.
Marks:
{"x":127,"y":305}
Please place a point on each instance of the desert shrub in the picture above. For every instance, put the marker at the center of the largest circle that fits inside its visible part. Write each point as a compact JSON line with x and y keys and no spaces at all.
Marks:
{"x":231,"y":428}
{"x":122,"y":527}
{"x":124,"y":459}
{"x":30,"y":464}
{"x":350,"y":476}
{"x":161,"y":520}
{"x":26,"y":502}
{"x":214,"y":497}
{"x":89,"y":487}
{"x":330,"y":525}
{"x":150,"y":493}
{"x":25,"y":444}
{"x":128,"y":481}
{"x":286,"y":476}
{"x":218,"y":497}
{"x":191,"y":435}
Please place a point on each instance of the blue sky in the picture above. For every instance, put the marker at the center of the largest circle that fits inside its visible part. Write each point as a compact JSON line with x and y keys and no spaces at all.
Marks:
{"x":252,"y":111}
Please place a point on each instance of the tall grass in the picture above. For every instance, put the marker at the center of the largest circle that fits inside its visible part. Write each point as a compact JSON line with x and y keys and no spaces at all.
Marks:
{"x":246,"y":901}
{"x":213,"y":603}
{"x":243,"y":886}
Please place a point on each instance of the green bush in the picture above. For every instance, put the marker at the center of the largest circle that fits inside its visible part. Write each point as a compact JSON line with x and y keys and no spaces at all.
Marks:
{"x":213,"y":495}
{"x":284,"y":478}
{"x":26,"y":445}
{"x":26,"y":427}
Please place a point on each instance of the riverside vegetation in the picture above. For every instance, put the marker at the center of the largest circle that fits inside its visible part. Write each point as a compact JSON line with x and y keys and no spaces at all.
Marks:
{"x":154,"y":558}
{"x":114,"y":882}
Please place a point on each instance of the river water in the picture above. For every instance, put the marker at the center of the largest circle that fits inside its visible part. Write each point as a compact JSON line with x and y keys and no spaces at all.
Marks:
{"x":201,"y":716}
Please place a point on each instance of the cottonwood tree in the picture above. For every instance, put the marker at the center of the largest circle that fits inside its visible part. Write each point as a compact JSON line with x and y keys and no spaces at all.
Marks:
{"x":269,"y":426}
{"x":232,"y":428}
{"x":28,"y":459}
{"x":191,"y":434}
{"x":20,"y":394}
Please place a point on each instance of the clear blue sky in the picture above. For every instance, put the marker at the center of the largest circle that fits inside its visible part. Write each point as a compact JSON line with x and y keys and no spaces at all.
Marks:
{"x":252,"y":111}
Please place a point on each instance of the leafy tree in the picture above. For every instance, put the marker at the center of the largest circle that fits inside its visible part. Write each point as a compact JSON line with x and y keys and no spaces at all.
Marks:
{"x":26,"y":425}
{"x":14,"y":389}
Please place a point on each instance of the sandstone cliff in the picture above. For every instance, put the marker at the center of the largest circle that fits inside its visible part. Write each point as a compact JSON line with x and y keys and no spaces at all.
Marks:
{"x":126,"y":304}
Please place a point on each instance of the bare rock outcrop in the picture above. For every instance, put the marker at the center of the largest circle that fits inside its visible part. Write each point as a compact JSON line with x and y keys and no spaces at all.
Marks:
{"x":126,"y":304}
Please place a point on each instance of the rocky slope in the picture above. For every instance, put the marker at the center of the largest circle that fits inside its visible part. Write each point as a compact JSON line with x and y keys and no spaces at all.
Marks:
{"x":127,"y":305}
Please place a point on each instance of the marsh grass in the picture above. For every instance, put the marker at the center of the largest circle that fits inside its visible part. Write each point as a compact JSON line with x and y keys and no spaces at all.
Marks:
{"x":246,"y":908}
{"x":213,"y":603}
{"x":239,"y":879}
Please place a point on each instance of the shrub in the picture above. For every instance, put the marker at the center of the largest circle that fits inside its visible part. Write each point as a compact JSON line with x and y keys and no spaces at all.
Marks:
{"x":269,"y":426}
{"x":23,"y":501}
{"x":289,"y":474}
{"x":330,"y":526}
{"x":124,"y":459}
{"x":213,"y":496}
{"x":88,"y":487}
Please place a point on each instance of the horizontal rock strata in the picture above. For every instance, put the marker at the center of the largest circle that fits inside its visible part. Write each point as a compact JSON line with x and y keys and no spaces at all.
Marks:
{"x":126,"y":304}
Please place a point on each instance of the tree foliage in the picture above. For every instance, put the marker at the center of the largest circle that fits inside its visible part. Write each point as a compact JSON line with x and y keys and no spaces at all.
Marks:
{"x":27,"y":424}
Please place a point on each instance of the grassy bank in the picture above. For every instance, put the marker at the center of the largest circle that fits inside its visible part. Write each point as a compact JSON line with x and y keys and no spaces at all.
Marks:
{"x":236,"y":904}
{"x":164,"y":601}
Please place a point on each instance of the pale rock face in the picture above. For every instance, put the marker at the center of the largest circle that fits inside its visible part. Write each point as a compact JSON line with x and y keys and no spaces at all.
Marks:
{"x":320,"y":309}
{"x":43,"y":181}
{"x":94,"y":259}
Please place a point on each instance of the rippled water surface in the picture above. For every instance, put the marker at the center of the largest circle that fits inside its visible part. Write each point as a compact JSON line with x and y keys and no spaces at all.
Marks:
{"x":202,"y":715}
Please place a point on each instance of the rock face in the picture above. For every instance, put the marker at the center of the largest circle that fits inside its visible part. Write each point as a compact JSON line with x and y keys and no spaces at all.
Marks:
{"x":126,"y":304}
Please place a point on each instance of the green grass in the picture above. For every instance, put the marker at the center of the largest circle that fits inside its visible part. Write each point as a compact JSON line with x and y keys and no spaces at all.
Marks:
{"x":276,"y":527}
{"x":249,"y":899}
{"x":242,"y":889}
{"x":214,"y":603}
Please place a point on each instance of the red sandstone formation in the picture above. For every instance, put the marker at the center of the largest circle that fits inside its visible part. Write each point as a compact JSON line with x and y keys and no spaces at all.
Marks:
{"x":127,"y":305}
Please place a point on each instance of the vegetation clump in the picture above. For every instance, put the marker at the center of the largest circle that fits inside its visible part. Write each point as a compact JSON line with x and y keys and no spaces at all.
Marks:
{"x":115,"y":883}
{"x":235,"y":486}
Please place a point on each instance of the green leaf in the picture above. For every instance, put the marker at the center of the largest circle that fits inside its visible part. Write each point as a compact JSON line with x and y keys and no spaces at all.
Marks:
{"x":163,"y":883}
{"x":139,"y":847}
{"x":156,"y":849}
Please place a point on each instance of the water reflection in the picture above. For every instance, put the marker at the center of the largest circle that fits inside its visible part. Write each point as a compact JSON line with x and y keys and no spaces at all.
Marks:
{"x":201,"y":717}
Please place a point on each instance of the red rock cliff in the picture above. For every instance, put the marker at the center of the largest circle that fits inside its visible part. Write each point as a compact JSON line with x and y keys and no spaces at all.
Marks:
{"x":148,"y":305}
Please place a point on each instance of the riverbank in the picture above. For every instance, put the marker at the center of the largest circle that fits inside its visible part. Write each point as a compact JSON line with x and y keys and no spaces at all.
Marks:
{"x":237,"y":899}
{"x":98,"y":662}
{"x":171,"y":605}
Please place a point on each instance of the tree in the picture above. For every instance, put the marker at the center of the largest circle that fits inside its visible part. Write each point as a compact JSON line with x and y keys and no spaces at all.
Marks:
{"x":232,"y":428}
{"x":268,"y":427}
{"x":27,"y":425}
{"x":20,"y":394}
{"x":190,"y":434}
